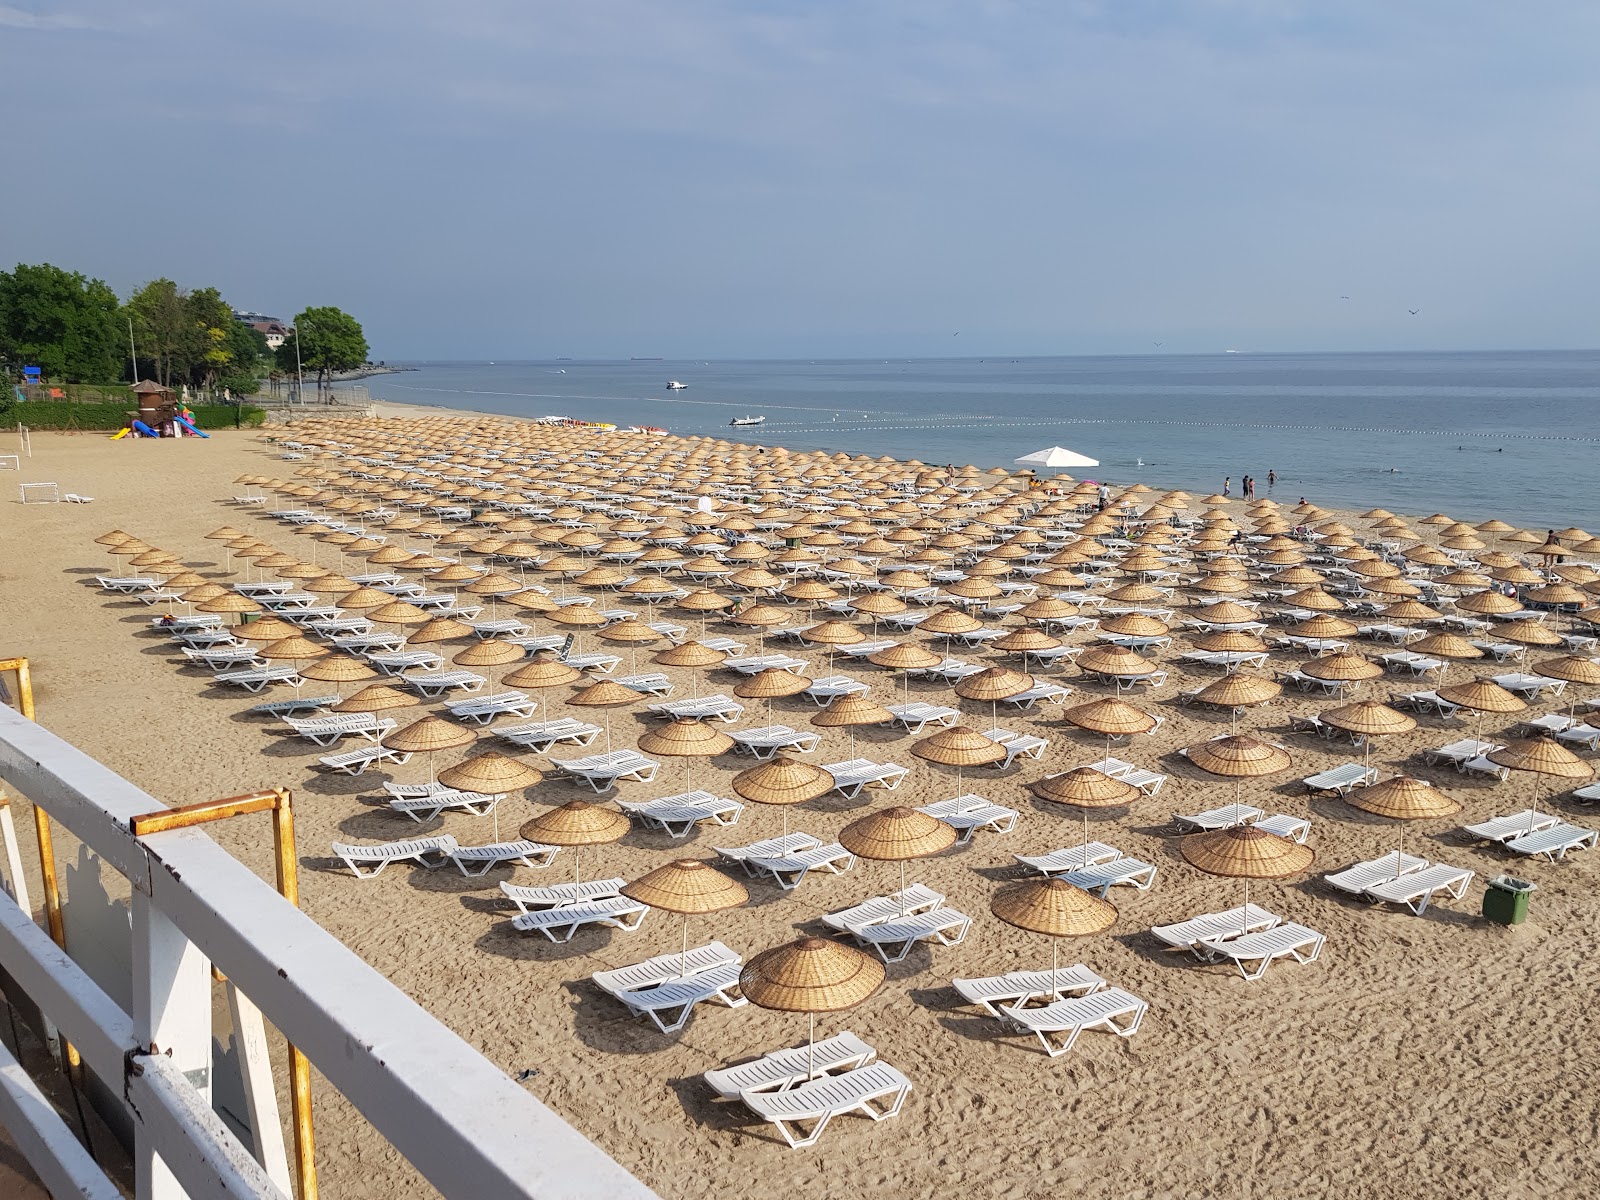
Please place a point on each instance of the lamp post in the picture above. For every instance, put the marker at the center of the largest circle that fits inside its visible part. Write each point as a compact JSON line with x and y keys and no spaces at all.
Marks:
{"x":299,"y":376}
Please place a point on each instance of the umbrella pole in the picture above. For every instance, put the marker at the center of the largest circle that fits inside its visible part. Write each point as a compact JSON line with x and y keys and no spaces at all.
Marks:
{"x":577,"y":864}
{"x":1244,"y":919}
{"x":811,"y":1045}
{"x":1055,"y":954}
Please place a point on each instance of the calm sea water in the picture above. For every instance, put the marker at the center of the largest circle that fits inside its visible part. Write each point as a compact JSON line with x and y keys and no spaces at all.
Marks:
{"x":1513,"y":435}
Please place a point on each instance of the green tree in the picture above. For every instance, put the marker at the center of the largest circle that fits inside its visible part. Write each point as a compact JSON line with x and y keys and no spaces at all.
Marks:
{"x":62,"y":322}
{"x":329,"y":340}
{"x":163,"y":328}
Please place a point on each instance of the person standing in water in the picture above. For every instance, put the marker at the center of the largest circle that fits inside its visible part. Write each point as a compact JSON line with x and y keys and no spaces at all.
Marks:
{"x":1227,"y":486}
{"x":1272,"y":478}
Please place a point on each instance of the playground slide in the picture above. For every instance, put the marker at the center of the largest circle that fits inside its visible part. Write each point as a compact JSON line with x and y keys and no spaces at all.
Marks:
{"x":191,"y":428}
{"x":140,"y":427}
{"x":121,"y":433}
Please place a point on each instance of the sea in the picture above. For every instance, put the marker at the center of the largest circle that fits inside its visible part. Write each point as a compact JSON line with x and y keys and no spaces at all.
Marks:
{"x":1475,"y":435}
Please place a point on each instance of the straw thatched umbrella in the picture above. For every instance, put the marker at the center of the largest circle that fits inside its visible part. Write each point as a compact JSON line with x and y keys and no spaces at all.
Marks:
{"x":577,"y":824}
{"x":783,"y":781}
{"x":1239,"y":690}
{"x":439,"y":629}
{"x":1369,"y":719}
{"x":1238,"y":757}
{"x":1573,"y":668}
{"x":1244,"y":852}
{"x":1403,"y":798}
{"x":1117,"y":662}
{"x":1111,"y":717}
{"x":847,"y":712}
{"x":960,"y":748}
{"x":606,"y":694}
{"x":905,"y":657}
{"x":377,"y":697}
{"x":810,"y":975}
{"x":1482,"y":695}
{"x":490,"y":774}
{"x":230,"y":602}
{"x":688,"y":887}
{"x":685,"y":738}
{"x":337,"y":668}
{"x":897,"y":834}
{"x":1541,"y":756}
{"x":1085,"y":788}
{"x":1056,"y":909}
{"x":994,"y":684}
{"x":1342,"y":668}
{"x":428,"y":735}
{"x":296,"y":649}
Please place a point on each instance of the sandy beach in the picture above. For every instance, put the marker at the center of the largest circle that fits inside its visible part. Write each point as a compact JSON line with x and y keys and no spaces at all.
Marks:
{"x":1418,"y":1056}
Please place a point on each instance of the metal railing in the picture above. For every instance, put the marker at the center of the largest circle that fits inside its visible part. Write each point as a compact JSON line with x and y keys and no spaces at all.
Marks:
{"x":461,"y":1122}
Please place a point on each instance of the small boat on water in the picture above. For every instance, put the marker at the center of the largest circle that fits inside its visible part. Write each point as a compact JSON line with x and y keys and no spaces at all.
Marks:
{"x":747,"y":421}
{"x":674,"y":386}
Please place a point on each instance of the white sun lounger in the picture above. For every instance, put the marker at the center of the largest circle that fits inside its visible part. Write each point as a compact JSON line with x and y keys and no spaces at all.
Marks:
{"x":892,"y":940}
{"x":766,"y":740}
{"x":1482,"y":765}
{"x":1040,"y":692}
{"x":425,"y":808}
{"x":1554,"y":842}
{"x":599,"y":662}
{"x":1356,"y":879}
{"x":560,"y":924}
{"x":259,"y":678}
{"x":1018,"y":987}
{"x":1148,"y":782}
{"x":831,"y":687}
{"x":603,"y":771}
{"x":778,"y":847}
{"x":755,"y":664}
{"x":677,"y":815}
{"x":482,"y":710}
{"x":854,"y":775}
{"x":781,"y":1070}
{"x":434,"y":684}
{"x":705,"y":708}
{"x":1228,"y":660}
{"x":1459,"y":753}
{"x":664,"y":968}
{"x":1235,"y":922}
{"x":1530,"y":687}
{"x":221,"y":658}
{"x":917,"y":898}
{"x":541,"y":736}
{"x":397,"y":662}
{"x":1071,"y":858}
{"x":1551,"y":723}
{"x":1102,"y":877}
{"x":790,"y":869}
{"x":1503,"y":829}
{"x":1309,"y":683}
{"x":1225,"y":817}
{"x":353,"y":762}
{"x":1111,"y":1009}
{"x":820,"y":1100}
{"x":536,"y":899}
{"x":1343,"y":779}
{"x":969,"y":813}
{"x":1412,"y":662}
{"x":917,"y":716}
{"x":427,"y":852}
{"x":670,"y":1004}
{"x":1416,"y":889}
{"x":1296,"y":829}
{"x":1586,"y":736}
{"x":1016,"y":745}
{"x":1253,"y":953}
{"x":326,"y":731}
{"x":1425,"y":702}
{"x":1588,"y":794}
{"x":296,"y":704}
{"x":477,"y":860}
{"x":863,"y":649}
{"x":652,"y":684}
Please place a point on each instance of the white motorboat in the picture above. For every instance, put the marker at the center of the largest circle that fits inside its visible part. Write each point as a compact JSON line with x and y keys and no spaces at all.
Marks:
{"x":674,"y":386}
{"x":747,"y":421}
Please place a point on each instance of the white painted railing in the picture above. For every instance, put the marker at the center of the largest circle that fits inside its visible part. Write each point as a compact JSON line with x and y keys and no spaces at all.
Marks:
{"x":461,"y":1122}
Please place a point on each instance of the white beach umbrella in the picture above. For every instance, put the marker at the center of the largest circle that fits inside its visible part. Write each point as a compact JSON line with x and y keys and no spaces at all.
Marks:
{"x":1056,"y":456}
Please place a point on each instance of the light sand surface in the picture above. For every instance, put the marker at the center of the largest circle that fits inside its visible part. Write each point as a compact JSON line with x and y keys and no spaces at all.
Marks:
{"x":1428,"y":1056}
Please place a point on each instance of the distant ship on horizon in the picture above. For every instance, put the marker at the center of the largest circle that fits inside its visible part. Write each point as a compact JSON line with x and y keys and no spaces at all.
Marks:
{"x":674,"y":386}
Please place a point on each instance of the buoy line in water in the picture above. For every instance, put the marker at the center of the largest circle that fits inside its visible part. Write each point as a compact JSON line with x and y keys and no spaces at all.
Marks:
{"x":834,"y":427}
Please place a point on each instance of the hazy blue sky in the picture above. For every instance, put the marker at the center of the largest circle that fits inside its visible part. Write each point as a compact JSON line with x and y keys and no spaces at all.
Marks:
{"x":520,"y":178}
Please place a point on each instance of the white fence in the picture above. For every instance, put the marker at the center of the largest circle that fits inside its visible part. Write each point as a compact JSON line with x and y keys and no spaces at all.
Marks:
{"x":461,"y":1122}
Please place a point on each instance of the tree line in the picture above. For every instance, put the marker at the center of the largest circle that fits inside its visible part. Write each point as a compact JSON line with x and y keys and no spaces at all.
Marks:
{"x":76,"y":330}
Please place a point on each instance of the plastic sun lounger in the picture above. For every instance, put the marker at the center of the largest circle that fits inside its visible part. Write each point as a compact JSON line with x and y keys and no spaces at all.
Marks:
{"x":781,"y":1070}
{"x":1586,"y":736}
{"x":536,"y":899}
{"x":326,"y":731}
{"x":1458,"y":753}
{"x":1048,"y":693}
{"x":1225,"y":817}
{"x":541,"y":736}
{"x":434,"y":684}
{"x":353,"y":762}
{"x":892,"y":940}
{"x":677,"y":816}
{"x":664,"y":968}
{"x":917,"y":716}
{"x":969,"y":813}
{"x":1503,"y":829}
{"x":852,"y":777}
{"x":669,"y":1005}
{"x":1425,"y":702}
{"x":1554,"y":842}
{"x":1071,"y":858}
{"x":655,"y":684}
{"x":819,"y":1100}
{"x":1235,"y":922}
{"x":561,"y":924}
{"x":288,"y":708}
{"x":478,"y":860}
{"x":1481,"y":765}
{"x":1296,"y":829}
{"x":777,"y":847}
{"x":1289,"y":940}
{"x":1416,"y":889}
{"x":397,"y":662}
{"x":1342,"y":780}
{"x":831,"y":687}
{"x":918,"y":898}
{"x":995,"y":992}
{"x":482,"y":710}
{"x":423,"y":809}
{"x":603,"y":771}
{"x":715,"y":708}
{"x":790,"y":870}
{"x":1102,"y":877}
{"x":1356,"y":879}
{"x":1016,"y":745}
{"x":766,"y":740}
{"x":429,"y":852}
{"x":1111,"y":1009}
{"x":257,"y":680}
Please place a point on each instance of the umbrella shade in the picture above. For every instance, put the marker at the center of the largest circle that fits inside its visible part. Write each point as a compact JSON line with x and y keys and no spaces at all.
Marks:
{"x":1239,"y":690}
{"x":810,"y":975}
{"x":543,"y":673}
{"x":293,"y":649}
{"x":378,"y":697}
{"x":1238,"y":756}
{"x":1112,"y":717}
{"x":783,"y":780}
{"x":772,"y":684}
{"x":994,"y":684}
{"x":949,"y":621}
{"x":1403,"y":798}
{"x":959,"y":747}
{"x":337,"y":668}
{"x":1324,"y":626}
{"x":1244,"y":852}
{"x":1446,"y":645}
{"x":835,"y":633}
{"x":428,"y":734}
{"x":1084,"y":787}
{"x":440,"y":629}
{"x":488,"y":654}
{"x":1542,"y":756}
{"x":689,"y":887}
{"x":905,"y":656}
{"x":1571,"y":667}
{"x":1134,"y":625}
{"x":1482,"y":695}
{"x":1342,"y":668}
{"x":576,"y":824}
{"x":1055,"y":457}
{"x":364,"y":598}
{"x":1054,"y":908}
{"x":230,"y":602}
{"x":847,"y":711}
{"x":1115,"y":660}
{"x":1229,"y":641}
{"x":685,"y":739}
{"x":690,"y":654}
{"x":576,"y":616}
{"x":398,"y":612}
{"x":896,"y":834}
{"x":1226,"y":612}
{"x":605,"y":694}
{"x":1371,"y":718}
{"x":1487,"y":604}
{"x":1527,"y":632}
{"x":629,"y":633}
{"x":490,"y":773}
{"x":1023,"y":640}
{"x":267,"y":629}
{"x":761,"y":615}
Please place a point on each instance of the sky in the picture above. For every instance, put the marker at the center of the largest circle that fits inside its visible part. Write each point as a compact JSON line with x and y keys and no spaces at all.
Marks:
{"x":825,"y":178}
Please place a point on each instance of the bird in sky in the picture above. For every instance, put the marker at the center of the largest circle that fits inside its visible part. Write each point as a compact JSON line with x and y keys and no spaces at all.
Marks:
{"x":1413,"y":311}
{"x":1344,"y":297}
{"x":1157,"y":344}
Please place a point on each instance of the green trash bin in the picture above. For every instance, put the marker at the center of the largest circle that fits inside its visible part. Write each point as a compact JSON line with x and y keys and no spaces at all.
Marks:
{"x":1505,"y":900}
